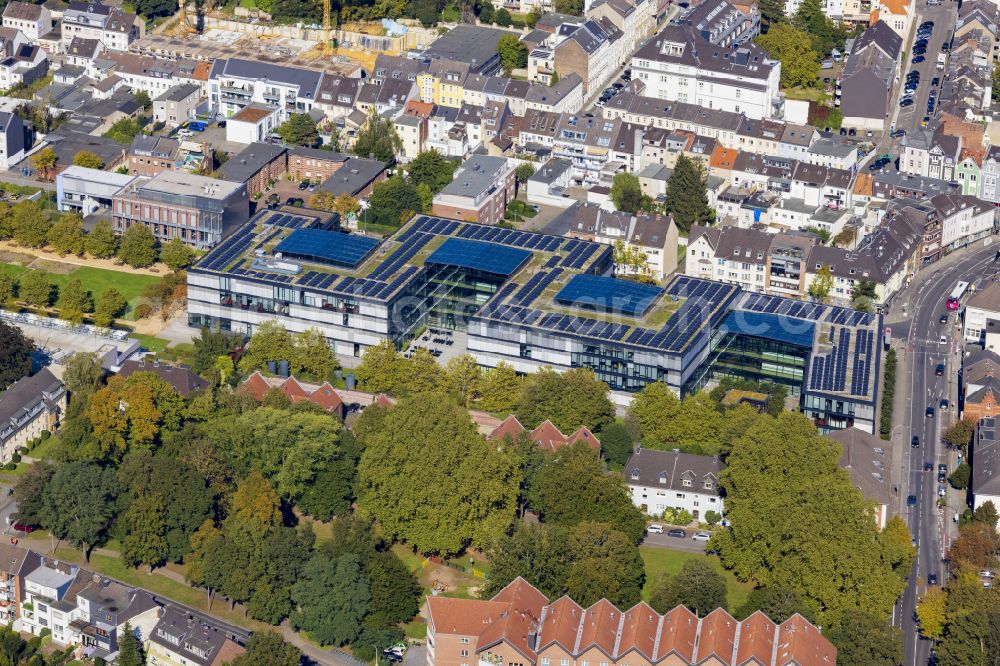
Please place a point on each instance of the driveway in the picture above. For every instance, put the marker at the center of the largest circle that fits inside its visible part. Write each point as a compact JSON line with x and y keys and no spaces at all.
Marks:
{"x":687,"y":545}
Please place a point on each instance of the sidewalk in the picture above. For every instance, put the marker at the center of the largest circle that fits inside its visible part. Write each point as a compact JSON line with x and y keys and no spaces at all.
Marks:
{"x":156,"y":270}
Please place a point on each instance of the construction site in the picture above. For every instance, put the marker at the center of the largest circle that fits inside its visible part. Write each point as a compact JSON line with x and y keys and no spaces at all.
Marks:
{"x":204,"y":34}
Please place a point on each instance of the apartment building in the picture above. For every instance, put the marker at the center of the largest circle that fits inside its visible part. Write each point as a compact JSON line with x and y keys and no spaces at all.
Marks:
{"x":313,"y":164}
{"x":150,"y":155}
{"x":932,"y":154}
{"x":31,"y":19}
{"x":678,"y":64}
{"x":199,"y":210}
{"x":721,"y":23}
{"x":635,"y":19}
{"x":964,"y":219}
{"x":731,"y":130}
{"x":546,"y":435}
{"x":897,"y":14}
{"x":12,"y":139}
{"x":583,"y":47}
{"x":29,"y":406}
{"x":258,"y":166}
{"x":662,"y":480}
{"x":179,"y":639}
{"x":865,"y":85}
{"x":85,"y":191}
{"x":15,"y":563}
{"x":157,"y":76}
{"x":866,"y":460}
{"x":177,"y":105}
{"x":234,"y":84}
{"x":480,"y":191}
{"x":112,"y":26}
{"x":50,"y":599}
{"x":520,"y":626}
{"x":21,"y":62}
{"x":984,"y":456}
{"x":982,"y":308}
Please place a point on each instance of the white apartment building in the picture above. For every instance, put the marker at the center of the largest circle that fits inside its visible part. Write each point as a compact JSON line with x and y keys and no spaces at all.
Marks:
{"x":661,"y":480}
{"x":235,"y":83}
{"x":31,"y":19}
{"x":982,"y":307}
{"x":46,"y":600}
{"x":116,"y":29}
{"x":679,"y":65}
{"x":964,"y":219}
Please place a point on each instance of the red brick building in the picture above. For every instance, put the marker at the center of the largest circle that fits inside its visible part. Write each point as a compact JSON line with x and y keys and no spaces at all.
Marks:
{"x":546,"y":435}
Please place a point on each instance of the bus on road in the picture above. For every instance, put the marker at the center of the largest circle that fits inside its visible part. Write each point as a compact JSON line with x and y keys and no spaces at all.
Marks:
{"x":955,"y":297}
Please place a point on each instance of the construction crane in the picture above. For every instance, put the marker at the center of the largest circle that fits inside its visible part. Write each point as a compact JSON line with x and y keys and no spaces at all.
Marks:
{"x":327,"y":40}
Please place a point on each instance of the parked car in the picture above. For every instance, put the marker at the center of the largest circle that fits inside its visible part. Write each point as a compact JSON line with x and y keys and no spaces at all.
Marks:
{"x":293,"y":201}
{"x":185,"y":133}
{"x":943,"y":340}
{"x":197,"y":126}
{"x":304,"y":185}
{"x":23,"y":527}
{"x":917,"y":60}
{"x":944,"y":319}
{"x":928,"y":466}
{"x":986,"y":573}
{"x":932,"y":578}
{"x":654,"y":529}
{"x":942,"y":490}
{"x":943,"y":405}
{"x":679,"y":534}
{"x":273,"y":200}
{"x":222,"y":124}
{"x":906,"y":102}
{"x":701,"y":536}
{"x":929,"y":413}
{"x":915,"y":441}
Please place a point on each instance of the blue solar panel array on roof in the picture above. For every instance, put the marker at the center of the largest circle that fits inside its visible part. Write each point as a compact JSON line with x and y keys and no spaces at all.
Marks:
{"x":607,"y":294}
{"x":770,"y":327}
{"x":480,"y":256}
{"x":333,"y":247}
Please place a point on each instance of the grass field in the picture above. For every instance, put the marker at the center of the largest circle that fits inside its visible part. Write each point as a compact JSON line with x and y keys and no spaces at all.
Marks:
{"x":660,"y":561}
{"x":95,"y":280}
{"x":153,"y":344}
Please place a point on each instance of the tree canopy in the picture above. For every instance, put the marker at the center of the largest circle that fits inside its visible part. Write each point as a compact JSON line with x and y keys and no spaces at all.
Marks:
{"x":626,"y":192}
{"x":15,"y":361}
{"x":794,"y":48}
{"x":378,"y":139}
{"x":687,"y":194}
{"x":393,"y":201}
{"x":299,"y":130}
{"x":569,"y":399}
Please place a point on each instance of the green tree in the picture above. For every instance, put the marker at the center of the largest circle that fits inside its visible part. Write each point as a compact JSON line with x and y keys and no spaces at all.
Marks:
{"x":426,"y":197}
{"x":486,"y":13}
{"x":626,"y":192}
{"x":378,"y":139}
{"x":101,"y":241}
{"x":864,"y":639}
{"x":299,"y":130}
{"x":393,"y":201}
{"x":697,"y":585}
{"x":513,"y":53}
{"x":569,"y":399}
{"x":6,"y":288}
{"x":88,"y":160}
{"x":270,"y":342}
{"x":15,"y":361}
{"x":687,"y":198}
{"x":431,"y":480}
{"x":822,"y":284}
{"x":208,"y":346}
{"x":268,"y":648}
{"x":812,"y":20}
{"x":464,"y":378}
{"x":79,"y":504}
{"x":499,"y":389}
{"x":594,"y":496}
{"x":83,"y":373}
{"x":176,"y":254}
{"x":571,"y":7}
{"x":931,"y":613}
{"x":694,"y":424}
{"x":142,"y":97}
{"x":110,"y":304}
{"x":145,"y":540}
{"x":503,"y":18}
{"x":554,"y":79}
{"x":782,"y":478}
{"x":959,"y":434}
{"x":44,"y":162}
{"x":961,"y":476}
{"x":130,"y":651}
{"x":30,"y":493}
{"x":431,"y":169}
{"x":332,"y":597}
{"x":996,"y":82}
{"x":778,"y":603}
{"x":74,"y":301}
{"x":382,"y":369}
{"x":986,"y":513}
{"x":124,"y":131}
{"x":138,"y":246}
{"x":66,"y":236}
{"x":36,"y":288}
{"x":772,"y":11}
{"x":524,"y":171}
{"x":31,"y":224}
{"x":616,"y":444}
{"x":332,"y":491}
{"x":794,"y":48}
{"x":313,"y":356}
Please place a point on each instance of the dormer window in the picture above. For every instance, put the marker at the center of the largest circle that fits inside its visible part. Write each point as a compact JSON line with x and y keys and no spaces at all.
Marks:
{"x":686,"y":483}
{"x":635,"y":474}
{"x":663,"y":478}
{"x":708,"y":485}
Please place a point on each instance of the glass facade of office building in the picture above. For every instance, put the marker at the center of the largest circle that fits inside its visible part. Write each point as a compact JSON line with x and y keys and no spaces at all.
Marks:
{"x":758,"y":359}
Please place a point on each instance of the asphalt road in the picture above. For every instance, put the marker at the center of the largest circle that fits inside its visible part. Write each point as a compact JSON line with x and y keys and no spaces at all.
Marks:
{"x":687,"y":545}
{"x":910,"y":118}
{"x":919,"y":383}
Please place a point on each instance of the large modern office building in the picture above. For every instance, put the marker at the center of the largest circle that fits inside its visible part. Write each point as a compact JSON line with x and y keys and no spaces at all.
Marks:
{"x":533,"y":300}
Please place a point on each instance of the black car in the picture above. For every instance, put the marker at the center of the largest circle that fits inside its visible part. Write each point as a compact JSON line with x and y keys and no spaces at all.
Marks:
{"x":293,"y":201}
{"x":680,"y":534}
{"x":939,"y":370}
{"x":911,"y":500}
{"x":930,"y":412}
{"x":942,"y":477}
{"x":932,"y":579}
{"x":935,"y":81}
{"x":919,"y":59}
{"x":915,"y":441}
{"x":906,"y":102}
{"x":944,"y":319}
{"x":303,"y":185}
{"x":222,"y":123}
{"x":928,"y":466}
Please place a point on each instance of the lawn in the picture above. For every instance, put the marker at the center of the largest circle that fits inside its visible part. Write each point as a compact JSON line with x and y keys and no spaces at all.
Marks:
{"x":150,"y":343}
{"x":660,"y":561}
{"x":95,"y":280}
{"x":44,"y":450}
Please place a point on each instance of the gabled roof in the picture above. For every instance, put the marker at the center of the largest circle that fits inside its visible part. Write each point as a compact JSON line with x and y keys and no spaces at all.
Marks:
{"x":560,"y":624}
{"x":181,"y":377}
{"x":546,"y":435}
{"x":985,"y":459}
{"x":757,"y":636}
{"x":881,"y":36}
{"x":801,"y":643}
{"x":989,"y":389}
{"x":864,"y":457}
{"x":717,"y":636}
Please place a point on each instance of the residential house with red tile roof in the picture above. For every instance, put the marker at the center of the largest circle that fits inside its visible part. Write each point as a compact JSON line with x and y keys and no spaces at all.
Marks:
{"x":546,"y":435}
{"x":323,"y":394}
{"x":519,"y":627}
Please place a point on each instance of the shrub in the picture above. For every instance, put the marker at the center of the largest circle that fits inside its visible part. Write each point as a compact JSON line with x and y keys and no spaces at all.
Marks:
{"x":44,"y":435}
{"x":10,"y":467}
{"x":143,"y":310}
{"x":711,"y":517}
{"x":16,"y":458}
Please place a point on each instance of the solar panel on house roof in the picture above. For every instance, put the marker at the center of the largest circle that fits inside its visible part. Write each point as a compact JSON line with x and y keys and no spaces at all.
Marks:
{"x":608,"y":294}
{"x":327,"y":246}
{"x":480,"y":256}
